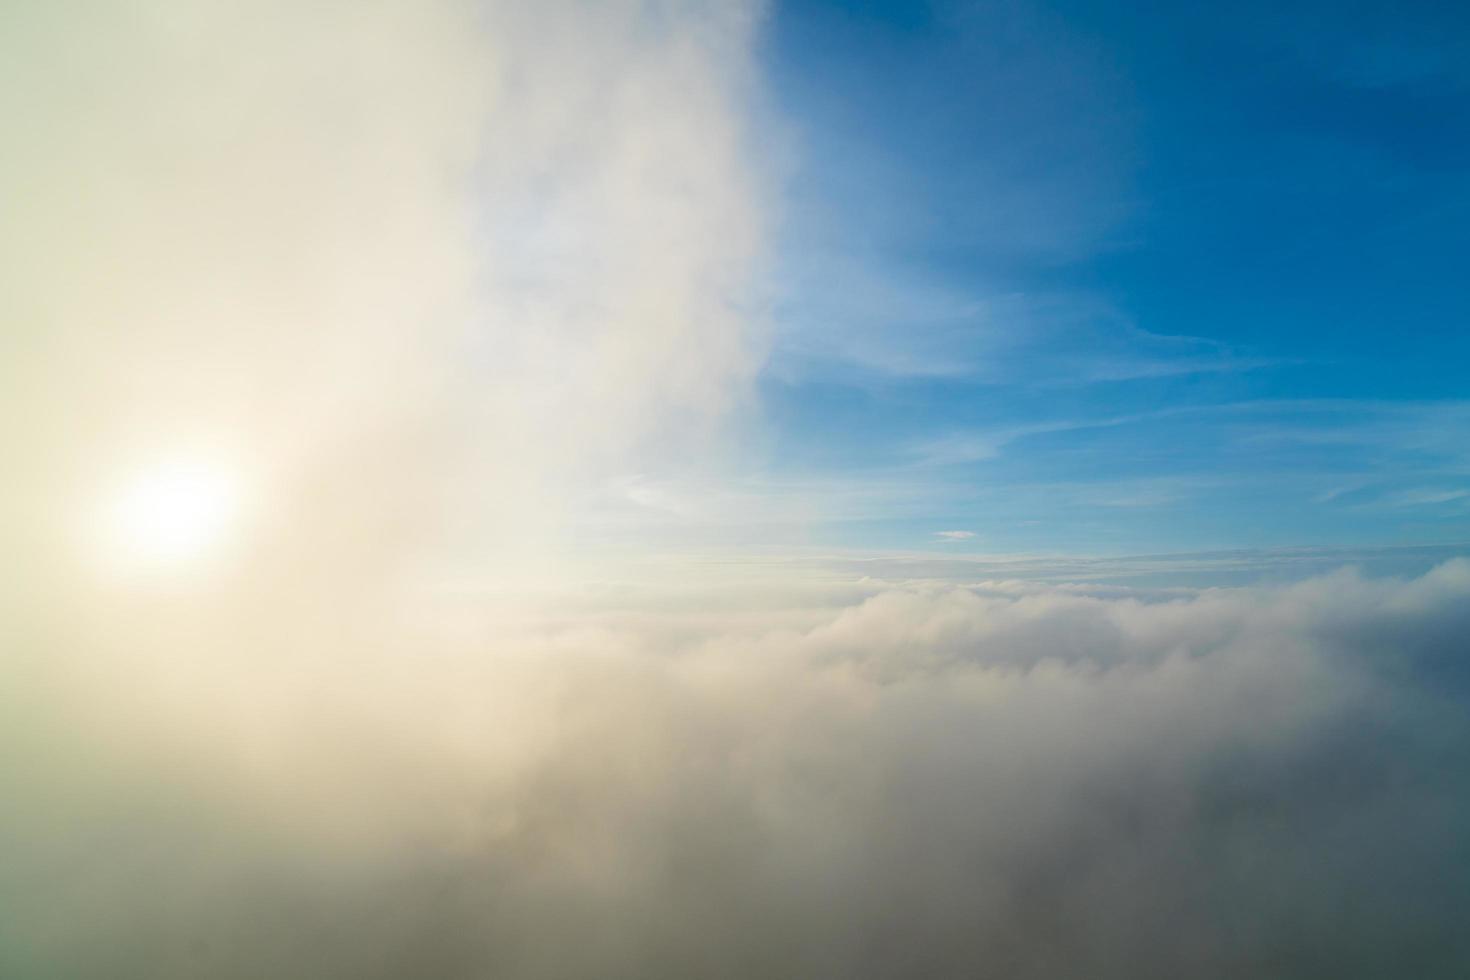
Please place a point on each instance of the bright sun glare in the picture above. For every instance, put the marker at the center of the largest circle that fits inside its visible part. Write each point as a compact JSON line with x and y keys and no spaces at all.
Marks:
{"x":173,"y":514}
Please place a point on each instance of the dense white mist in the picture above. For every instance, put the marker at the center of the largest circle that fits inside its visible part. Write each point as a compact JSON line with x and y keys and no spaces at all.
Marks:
{"x":418,"y":271}
{"x":875,"y":780}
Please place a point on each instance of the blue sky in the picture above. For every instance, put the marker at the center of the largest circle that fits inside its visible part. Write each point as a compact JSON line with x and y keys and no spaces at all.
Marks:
{"x":1089,"y":278}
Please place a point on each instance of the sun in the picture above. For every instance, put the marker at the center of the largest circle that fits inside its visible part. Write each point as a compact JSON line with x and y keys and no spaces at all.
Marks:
{"x":173,"y":514}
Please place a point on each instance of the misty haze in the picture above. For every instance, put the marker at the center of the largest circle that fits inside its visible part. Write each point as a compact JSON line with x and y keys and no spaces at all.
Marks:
{"x":559,"y":489}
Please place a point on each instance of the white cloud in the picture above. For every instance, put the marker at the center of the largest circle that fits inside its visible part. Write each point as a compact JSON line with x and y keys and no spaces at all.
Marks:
{"x":954,"y":535}
{"x":758,"y":779}
{"x":435,"y":268}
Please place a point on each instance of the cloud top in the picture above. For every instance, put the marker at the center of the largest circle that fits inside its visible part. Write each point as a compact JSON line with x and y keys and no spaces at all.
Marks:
{"x":871,"y":780}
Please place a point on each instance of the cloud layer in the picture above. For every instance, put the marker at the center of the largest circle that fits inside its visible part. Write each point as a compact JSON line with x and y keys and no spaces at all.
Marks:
{"x":868,"y":780}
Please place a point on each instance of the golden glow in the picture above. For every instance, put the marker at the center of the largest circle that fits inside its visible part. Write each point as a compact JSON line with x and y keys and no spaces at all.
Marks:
{"x":173,"y":514}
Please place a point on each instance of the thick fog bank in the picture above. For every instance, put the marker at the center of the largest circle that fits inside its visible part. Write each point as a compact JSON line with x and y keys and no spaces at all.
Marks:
{"x":1009,"y":780}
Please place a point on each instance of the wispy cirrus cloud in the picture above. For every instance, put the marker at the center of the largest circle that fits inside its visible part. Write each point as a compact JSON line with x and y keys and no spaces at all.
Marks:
{"x":861,"y":326}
